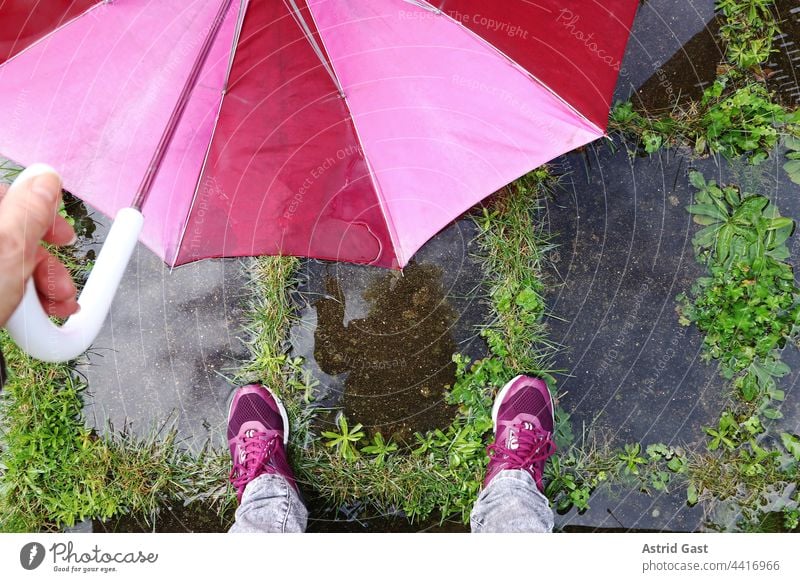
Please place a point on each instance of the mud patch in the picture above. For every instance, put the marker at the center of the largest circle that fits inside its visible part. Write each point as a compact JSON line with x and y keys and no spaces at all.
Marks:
{"x":398,"y":359}
{"x":195,"y":518}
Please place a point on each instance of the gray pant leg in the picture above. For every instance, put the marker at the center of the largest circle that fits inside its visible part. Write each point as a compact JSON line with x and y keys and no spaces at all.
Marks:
{"x":512,"y":504}
{"x":270,"y":505}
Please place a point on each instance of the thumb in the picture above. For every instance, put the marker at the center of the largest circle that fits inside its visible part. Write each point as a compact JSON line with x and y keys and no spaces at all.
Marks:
{"x":27,"y":212}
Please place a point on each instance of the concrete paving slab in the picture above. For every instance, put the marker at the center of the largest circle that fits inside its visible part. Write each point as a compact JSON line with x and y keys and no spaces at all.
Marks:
{"x":168,"y":349}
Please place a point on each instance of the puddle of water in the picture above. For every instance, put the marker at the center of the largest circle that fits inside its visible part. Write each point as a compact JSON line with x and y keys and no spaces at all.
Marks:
{"x":683,"y":77}
{"x":786,"y":60}
{"x":398,"y":358}
{"x":689,"y":71}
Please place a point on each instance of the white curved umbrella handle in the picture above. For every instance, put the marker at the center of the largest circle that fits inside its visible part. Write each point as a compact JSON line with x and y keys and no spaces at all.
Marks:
{"x":39,"y":337}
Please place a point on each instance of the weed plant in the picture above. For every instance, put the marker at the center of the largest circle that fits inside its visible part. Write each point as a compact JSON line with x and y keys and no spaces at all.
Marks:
{"x":748,"y":27}
{"x":734,"y":118}
{"x":748,"y":309}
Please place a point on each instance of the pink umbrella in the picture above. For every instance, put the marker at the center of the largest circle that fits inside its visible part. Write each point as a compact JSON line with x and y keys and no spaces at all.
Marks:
{"x":351,"y":130}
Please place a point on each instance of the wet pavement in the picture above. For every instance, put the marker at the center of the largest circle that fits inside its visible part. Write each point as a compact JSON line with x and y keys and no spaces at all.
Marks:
{"x":660,"y":31}
{"x":372,"y":337}
{"x":168,"y":349}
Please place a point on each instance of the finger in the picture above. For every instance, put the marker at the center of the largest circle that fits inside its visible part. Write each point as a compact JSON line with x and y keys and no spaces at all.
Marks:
{"x":57,"y":292}
{"x":60,"y":233}
{"x":27,"y":213}
{"x":62,"y":309}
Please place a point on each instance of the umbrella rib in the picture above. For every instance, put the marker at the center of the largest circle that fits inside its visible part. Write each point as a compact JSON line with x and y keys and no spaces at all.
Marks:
{"x":424,"y":5}
{"x":301,"y":22}
{"x":180,"y":107}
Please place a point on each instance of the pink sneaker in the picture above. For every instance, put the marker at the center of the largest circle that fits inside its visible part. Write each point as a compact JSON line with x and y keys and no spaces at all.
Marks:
{"x":523,"y":428}
{"x":258,"y":431}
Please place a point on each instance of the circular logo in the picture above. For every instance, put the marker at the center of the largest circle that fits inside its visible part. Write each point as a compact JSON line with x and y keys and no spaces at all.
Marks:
{"x":31,"y":556}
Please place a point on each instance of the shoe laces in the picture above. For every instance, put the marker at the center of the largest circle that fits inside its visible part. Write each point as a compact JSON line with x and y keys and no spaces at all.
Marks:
{"x":534,"y":446}
{"x":255,"y":450}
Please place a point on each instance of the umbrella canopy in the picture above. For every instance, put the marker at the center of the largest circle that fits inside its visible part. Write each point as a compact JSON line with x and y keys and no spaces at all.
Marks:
{"x":351,"y":130}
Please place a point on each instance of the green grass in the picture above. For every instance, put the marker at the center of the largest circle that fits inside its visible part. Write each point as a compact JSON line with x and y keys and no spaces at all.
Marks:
{"x":55,"y":472}
{"x":737,"y":115}
{"x":513,"y":248}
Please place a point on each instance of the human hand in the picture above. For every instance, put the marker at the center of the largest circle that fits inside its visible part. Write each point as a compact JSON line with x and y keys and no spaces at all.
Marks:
{"x":28,"y":216}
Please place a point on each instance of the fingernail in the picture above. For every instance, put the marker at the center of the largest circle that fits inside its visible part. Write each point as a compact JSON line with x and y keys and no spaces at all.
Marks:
{"x":73,"y":240}
{"x":47,"y":186}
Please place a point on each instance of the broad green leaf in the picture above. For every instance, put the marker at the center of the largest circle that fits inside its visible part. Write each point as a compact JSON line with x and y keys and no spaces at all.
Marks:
{"x":691,"y":494}
{"x":732,"y":196}
{"x":723,"y":247}
{"x":750,"y":208}
{"x":707,"y":210}
{"x":780,"y":235}
{"x":697,"y":180}
{"x":700,"y":145}
{"x":780,"y":253}
{"x":791,"y":443}
{"x":792,"y":142}
{"x":775,"y":368}
{"x":528,"y":299}
{"x":706,"y":237}
{"x":749,"y":388}
{"x":792,"y":117}
{"x":704,"y":220}
{"x":792,"y":167}
{"x":778,"y":223}
{"x":676,"y":464}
